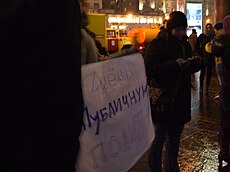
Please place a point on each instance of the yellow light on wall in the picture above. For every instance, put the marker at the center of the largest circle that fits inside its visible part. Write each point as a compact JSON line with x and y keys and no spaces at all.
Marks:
{"x":206,"y":12}
{"x":151,"y":20}
{"x":143,"y":20}
{"x":166,"y":16}
{"x":208,"y":21}
{"x":160,"y":20}
{"x":120,"y":20}
{"x":133,"y":19}
{"x":164,"y":6}
{"x":152,"y":5}
{"x":114,"y":26}
{"x":112,"y":20}
{"x":122,"y":27}
{"x":141,"y":5}
{"x":130,"y":16}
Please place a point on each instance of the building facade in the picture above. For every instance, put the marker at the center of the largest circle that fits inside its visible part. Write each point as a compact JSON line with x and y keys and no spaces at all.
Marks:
{"x":153,"y":7}
{"x":121,"y":6}
{"x":93,"y":5}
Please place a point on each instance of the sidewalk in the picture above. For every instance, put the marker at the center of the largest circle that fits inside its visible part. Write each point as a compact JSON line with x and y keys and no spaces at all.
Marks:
{"x":199,"y":148}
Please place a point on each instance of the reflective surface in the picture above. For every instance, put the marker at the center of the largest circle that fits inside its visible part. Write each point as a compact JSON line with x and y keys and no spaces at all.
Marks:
{"x":199,"y":148}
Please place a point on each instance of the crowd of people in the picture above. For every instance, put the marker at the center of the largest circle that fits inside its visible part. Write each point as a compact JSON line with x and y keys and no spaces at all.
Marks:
{"x":43,"y":45}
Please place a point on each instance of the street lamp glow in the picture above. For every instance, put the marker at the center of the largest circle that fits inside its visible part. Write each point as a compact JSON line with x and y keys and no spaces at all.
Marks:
{"x":160,"y":20}
{"x":153,"y":5}
{"x":207,"y":12}
{"x":164,"y":6}
{"x":141,"y":5}
{"x":130,"y":16}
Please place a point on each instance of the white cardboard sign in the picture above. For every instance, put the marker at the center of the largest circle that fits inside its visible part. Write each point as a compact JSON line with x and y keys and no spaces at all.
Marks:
{"x":117,"y":127}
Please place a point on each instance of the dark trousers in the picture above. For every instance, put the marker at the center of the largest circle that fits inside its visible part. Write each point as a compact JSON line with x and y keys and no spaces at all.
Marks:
{"x":206,"y":70}
{"x":219,"y":71}
{"x":171,"y":135}
{"x":225,"y":113}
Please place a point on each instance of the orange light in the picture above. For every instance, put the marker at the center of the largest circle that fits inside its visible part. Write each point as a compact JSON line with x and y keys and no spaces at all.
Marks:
{"x":208,"y":21}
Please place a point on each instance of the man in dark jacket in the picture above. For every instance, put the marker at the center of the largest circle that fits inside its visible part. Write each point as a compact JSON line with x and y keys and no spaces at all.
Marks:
{"x":169,"y":64}
{"x":41,"y":84}
{"x":207,"y":58}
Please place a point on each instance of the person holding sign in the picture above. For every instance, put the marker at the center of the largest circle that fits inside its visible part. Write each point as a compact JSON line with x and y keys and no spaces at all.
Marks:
{"x":169,"y":65}
{"x":43,"y":104}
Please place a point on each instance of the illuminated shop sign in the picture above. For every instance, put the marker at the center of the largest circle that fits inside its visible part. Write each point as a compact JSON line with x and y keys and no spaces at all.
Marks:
{"x":194,"y":16}
{"x":134,"y":19}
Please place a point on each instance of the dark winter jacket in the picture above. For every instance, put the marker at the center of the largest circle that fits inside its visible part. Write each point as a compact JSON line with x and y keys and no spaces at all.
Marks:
{"x":162,"y":31}
{"x":221,"y":47}
{"x":40,"y":85}
{"x":207,"y":58}
{"x":162,"y":67}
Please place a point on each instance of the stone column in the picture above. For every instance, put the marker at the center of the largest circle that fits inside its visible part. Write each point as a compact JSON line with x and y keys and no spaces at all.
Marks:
{"x":222,"y":9}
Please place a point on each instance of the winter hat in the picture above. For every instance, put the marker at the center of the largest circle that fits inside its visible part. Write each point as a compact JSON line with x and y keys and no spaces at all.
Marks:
{"x":226,"y":24}
{"x":176,"y":19}
{"x":194,"y":31}
{"x":218,"y":26}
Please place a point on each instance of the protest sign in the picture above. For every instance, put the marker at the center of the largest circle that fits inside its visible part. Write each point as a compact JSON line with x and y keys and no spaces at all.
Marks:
{"x":117,"y":127}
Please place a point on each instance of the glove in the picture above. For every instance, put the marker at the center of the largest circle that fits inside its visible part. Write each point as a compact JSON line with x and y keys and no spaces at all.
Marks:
{"x":183,"y":64}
